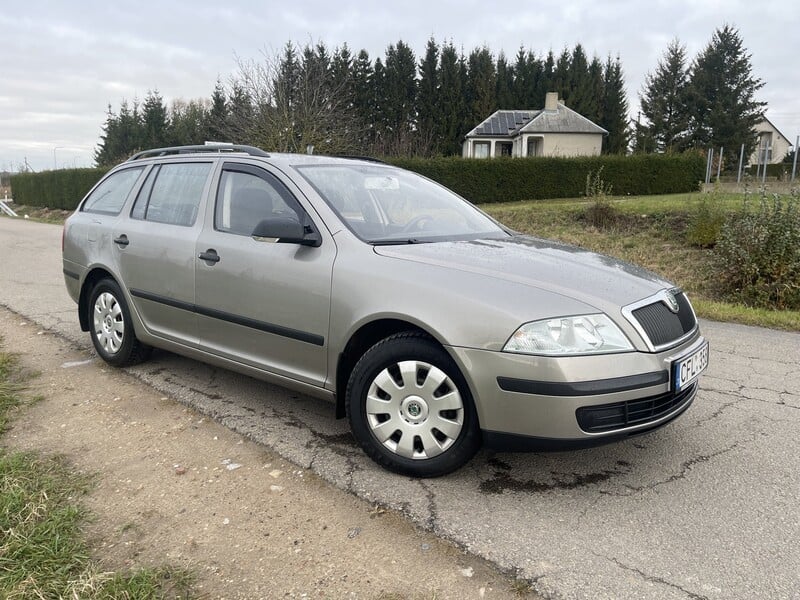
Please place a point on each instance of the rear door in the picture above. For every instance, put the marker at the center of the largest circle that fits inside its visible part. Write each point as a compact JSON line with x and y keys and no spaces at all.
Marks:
{"x":262,"y":303}
{"x":155,"y":247}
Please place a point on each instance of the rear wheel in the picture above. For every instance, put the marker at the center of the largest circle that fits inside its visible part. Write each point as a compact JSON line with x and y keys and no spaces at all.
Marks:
{"x":111,"y":328}
{"x":411,"y":409}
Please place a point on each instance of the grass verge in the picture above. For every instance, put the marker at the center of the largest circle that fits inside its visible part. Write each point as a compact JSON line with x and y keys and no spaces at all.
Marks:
{"x":649,"y":231}
{"x":42,"y":551}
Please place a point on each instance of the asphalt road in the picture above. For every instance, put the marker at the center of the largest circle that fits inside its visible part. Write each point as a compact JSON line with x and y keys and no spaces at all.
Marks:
{"x":708,"y":507}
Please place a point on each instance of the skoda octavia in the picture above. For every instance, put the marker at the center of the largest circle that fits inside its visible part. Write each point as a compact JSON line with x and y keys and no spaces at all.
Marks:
{"x":433,"y":328}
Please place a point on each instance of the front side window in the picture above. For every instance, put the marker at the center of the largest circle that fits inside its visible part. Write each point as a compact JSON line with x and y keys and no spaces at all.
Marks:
{"x":110,"y":195}
{"x":172,"y":194}
{"x":245,"y":199}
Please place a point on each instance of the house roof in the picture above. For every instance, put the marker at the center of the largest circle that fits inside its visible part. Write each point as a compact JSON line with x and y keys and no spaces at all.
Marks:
{"x":510,"y":123}
{"x":505,"y":123}
{"x":771,"y":124}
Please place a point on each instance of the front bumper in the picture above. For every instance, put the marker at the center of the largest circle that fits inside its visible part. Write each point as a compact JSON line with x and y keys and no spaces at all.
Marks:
{"x":541,"y":398}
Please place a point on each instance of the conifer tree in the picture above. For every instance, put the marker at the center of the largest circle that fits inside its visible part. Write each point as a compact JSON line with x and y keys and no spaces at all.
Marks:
{"x":664,"y":101}
{"x":428,"y":102}
{"x":722,"y":87}
{"x":615,"y":109}
{"x":449,"y":130}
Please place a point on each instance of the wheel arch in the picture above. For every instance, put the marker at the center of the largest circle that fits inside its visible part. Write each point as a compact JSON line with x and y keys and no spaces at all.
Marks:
{"x":362,"y":340}
{"x":91,"y":279}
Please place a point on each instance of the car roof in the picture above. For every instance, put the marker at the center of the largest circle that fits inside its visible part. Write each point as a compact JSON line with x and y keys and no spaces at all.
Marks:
{"x":240,"y":151}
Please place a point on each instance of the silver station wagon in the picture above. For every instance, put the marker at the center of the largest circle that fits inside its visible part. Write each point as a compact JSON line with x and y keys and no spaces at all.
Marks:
{"x":433,"y":328}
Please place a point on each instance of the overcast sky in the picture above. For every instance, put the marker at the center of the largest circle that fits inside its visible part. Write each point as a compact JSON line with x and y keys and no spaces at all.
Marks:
{"x":62,"y":63}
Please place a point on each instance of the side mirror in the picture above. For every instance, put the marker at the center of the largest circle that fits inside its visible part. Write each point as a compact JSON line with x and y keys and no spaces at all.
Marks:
{"x":287,"y":231}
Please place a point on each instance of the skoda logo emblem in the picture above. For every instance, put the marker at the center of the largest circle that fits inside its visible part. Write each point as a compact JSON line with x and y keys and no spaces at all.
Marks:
{"x":672,"y":303}
{"x":414,"y":409}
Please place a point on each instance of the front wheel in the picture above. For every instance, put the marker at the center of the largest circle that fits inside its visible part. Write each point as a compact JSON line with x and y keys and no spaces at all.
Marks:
{"x":111,"y":328}
{"x":411,"y":409}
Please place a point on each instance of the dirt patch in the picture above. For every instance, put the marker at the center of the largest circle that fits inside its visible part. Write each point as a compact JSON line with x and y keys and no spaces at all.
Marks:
{"x":175,"y":488}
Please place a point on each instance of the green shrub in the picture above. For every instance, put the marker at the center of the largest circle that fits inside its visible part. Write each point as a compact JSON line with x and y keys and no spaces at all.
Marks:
{"x":705,"y":223}
{"x":63,"y":188}
{"x":600,"y":212}
{"x":758,"y":254}
{"x":780,"y":171}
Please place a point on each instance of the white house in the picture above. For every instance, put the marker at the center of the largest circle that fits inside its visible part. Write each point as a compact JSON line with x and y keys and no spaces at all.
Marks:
{"x":554,"y":131}
{"x":772,"y":144}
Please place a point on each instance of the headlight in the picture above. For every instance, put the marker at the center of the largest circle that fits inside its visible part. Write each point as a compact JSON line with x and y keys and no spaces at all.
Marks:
{"x":584,"y":334}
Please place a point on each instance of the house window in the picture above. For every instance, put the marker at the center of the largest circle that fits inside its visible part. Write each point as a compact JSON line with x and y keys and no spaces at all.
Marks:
{"x":534,"y":147}
{"x":481,"y":150}
{"x":766,"y":146}
{"x":503,"y":148}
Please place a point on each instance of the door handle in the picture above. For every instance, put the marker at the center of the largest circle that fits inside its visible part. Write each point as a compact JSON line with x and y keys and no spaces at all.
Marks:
{"x":121,"y":240}
{"x":209,"y":255}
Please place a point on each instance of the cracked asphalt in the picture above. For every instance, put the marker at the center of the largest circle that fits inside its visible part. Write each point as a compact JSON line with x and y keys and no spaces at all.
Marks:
{"x":708,"y":507}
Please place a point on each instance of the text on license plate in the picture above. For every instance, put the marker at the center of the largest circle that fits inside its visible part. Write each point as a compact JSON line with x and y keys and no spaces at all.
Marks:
{"x":687,"y":369}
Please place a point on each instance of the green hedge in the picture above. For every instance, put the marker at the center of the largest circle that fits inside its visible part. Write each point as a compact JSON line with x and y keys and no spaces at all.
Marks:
{"x":512,"y":179}
{"x":63,"y":188}
{"x":478,"y":180}
{"x":780,"y":171}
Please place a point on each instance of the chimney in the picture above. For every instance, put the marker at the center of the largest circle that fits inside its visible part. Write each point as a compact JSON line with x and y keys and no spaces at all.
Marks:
{"x":551,"y":101}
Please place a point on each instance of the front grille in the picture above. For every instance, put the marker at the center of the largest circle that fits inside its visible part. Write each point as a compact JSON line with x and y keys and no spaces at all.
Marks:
{"x":662,"y":325}
{"x":618,"y":415}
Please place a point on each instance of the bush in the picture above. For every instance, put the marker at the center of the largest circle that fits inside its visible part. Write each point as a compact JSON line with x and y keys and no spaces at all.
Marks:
{"x":63,"y":188}
{"x":513,"y":179}
{"x":705,"y":223}
{"x":780,"y":171}
{"x":600,"y":213}
{"x":758,"y":254}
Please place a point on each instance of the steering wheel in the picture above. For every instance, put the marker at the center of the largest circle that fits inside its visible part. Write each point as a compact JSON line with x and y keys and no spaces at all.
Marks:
{"x":415,"y":223}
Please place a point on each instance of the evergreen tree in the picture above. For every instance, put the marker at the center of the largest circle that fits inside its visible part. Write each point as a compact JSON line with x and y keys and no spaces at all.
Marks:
{"x":561,"y":76}
{"x":428,"y":105}
{"x":188,"y":123}
{"x":155,"y":121}
{"x":615,"y":109}
{"x":722,"y":106}
{"x":582,"y":98}
{"x":400,"y":93}
{"x":218,"y":115}
{"x":122,"y":136}
{"x":481,"y":99}
{"x":449,"y":129}
{"x":664,"y":102}
{"x":363,"y":101}
{"x":504,"y":84}
{"x":548,"y":79}
{"x":594,"y":109}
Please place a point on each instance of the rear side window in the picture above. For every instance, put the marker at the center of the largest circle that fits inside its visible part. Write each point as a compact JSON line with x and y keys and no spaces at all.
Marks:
{"x":172,"y":194}
{"x":109,"y":197}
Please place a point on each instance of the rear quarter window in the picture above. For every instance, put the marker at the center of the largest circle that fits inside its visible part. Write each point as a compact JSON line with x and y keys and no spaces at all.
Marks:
{"x":109,"y":196}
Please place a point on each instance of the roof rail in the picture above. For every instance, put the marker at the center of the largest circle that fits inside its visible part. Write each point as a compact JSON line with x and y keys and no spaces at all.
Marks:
{"x":251,"y":150}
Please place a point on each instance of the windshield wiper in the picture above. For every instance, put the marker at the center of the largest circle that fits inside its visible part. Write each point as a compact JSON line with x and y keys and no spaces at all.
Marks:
{"x":397,"y":242}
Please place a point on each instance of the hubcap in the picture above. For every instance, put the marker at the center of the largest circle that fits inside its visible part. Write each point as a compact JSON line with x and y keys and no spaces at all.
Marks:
{"x":109,"y":326}
{"x":414,"y":409}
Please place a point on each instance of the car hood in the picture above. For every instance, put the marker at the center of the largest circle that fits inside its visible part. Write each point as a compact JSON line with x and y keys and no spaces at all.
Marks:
{"x":600,"y":281}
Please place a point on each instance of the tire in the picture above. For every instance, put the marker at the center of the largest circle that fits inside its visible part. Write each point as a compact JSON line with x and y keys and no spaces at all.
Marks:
{"x":410,"y":407}
{"x":111,"y":328}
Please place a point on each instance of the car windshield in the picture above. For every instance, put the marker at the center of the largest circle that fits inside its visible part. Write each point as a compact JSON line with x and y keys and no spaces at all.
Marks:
{"x":385,"y":205}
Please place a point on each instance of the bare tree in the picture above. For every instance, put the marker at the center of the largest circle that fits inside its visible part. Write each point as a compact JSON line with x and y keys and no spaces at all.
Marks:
{"x":296,"y":102}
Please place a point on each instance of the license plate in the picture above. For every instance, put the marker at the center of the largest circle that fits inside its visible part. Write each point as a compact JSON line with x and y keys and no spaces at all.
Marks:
{"x":688,"y":368}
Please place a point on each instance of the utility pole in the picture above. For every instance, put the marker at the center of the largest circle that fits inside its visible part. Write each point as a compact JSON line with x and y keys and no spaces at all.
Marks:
{"x":794,"y":162}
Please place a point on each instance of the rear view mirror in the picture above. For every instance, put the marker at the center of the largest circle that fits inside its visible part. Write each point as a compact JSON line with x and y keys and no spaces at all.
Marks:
{"x":286,"y":231}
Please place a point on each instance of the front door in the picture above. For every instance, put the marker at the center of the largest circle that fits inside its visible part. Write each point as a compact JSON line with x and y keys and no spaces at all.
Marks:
{"x":262,"y":303}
